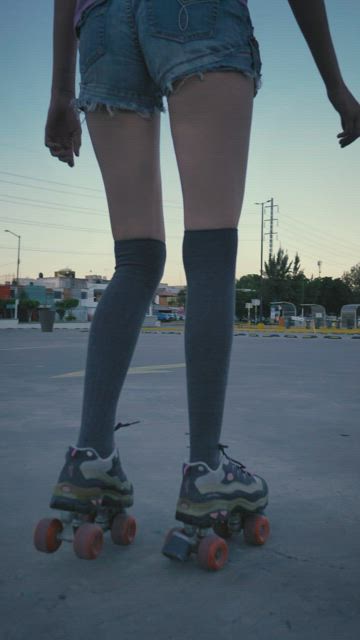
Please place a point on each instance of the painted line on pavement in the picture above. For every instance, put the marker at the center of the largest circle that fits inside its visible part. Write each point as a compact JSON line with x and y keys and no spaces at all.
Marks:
{"x":155,"y":368}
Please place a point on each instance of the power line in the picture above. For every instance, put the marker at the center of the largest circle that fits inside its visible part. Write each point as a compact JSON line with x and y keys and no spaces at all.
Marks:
{"x":71,"y":186}
{"x":344,"y":265}
{"x":168,"y":202}
{"x":321,"y":232}
{"x":318,"y":243}
{"x":53,"y":226}
{"x":50,"y":204}
{"x":73,"y":253}
{"x":35,"y":186}
{"x":64,"y":184}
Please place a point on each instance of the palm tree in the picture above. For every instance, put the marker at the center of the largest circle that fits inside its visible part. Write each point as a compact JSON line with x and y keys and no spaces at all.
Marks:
{"x":279,"y":267}
{"x":296,"y":267}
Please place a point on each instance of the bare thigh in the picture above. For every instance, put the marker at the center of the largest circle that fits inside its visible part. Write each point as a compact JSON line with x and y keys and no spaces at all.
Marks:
{"x":127,"y":148}
{"x":210,"y":122}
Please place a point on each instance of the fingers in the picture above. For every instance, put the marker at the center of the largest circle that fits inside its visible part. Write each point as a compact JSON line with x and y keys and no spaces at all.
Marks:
{"x":77,"y":143}
{"x":351,"y":131}
{"x":347,"y":138}
{"x":63,"y":152}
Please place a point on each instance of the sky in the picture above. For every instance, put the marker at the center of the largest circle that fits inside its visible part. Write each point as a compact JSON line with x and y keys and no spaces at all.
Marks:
{"x":61,"y":213}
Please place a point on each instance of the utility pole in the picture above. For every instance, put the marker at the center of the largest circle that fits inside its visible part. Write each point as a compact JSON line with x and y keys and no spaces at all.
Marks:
{"x":17,"y":273}
{"x":319,"y":263}
{"x":261,"y":259}
{"x":271,"y":233}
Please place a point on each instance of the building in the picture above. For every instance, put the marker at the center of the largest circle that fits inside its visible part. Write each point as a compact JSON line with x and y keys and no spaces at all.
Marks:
{"x":64,"y":285}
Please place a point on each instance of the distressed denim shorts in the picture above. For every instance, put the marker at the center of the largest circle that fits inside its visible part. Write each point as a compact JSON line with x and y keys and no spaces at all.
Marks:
{"x":131,"y":51}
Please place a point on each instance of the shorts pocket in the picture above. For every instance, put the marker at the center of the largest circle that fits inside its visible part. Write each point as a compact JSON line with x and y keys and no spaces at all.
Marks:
{"x":92,"y":35}
{"x":255,"y":54}
{"x":182,"y":20}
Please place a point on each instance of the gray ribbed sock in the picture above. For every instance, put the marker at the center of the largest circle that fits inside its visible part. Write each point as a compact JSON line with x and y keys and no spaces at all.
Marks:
{"x":209,"y":258}
{"x":113,"y":336}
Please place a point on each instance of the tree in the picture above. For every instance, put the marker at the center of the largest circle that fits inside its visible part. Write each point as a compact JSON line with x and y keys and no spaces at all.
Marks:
{"x":70,"y":303}
{"x":250,"y":281}
{"x":60,"y":308}
{"x":3,"y":306}
{"x":247,"y":288}
{"x":332,"y":293}
{"x":26,"y":307}
{"x":352,"y":280}
{"x":298,"y":282}
{"x":181,"y":297}
{"x":279,"y":267}
{"x":296,"y":267}
{"x":278,"y":282}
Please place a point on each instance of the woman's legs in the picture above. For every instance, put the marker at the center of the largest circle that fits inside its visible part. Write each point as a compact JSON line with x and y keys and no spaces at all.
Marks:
{"x":210,"y":123}
{"x":127,"y":149}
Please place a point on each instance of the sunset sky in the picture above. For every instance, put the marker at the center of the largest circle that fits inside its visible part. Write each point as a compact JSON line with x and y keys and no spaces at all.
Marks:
{"x":61,"y":213}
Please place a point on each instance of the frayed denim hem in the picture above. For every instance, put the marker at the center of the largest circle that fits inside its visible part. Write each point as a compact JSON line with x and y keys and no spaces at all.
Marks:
{"x":87,"y":104}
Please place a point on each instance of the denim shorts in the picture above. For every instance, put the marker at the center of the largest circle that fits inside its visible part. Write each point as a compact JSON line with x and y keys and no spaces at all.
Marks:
{"x":131,"y":51}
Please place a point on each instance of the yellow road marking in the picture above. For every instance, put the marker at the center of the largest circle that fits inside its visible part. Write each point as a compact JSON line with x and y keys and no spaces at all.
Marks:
{"x":155,"y":368}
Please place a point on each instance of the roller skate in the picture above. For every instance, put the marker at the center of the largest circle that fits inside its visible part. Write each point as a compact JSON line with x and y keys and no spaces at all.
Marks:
{"x":92,"y":494}
{"x":213,"y":505}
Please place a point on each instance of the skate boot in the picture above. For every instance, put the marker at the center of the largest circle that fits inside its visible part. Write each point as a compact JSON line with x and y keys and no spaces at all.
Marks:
{"x":214,"y":504}
{"x":91,"y":494}
{"x":207,"y":495}
{"x":86,"y":479}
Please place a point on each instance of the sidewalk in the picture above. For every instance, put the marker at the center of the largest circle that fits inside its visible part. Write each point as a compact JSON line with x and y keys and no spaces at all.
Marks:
{"x":242,"y":329}
{"x":14,"y":324}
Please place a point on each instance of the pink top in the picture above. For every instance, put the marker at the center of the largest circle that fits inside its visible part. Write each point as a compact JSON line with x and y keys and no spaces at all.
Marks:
{"x":82,"y":5}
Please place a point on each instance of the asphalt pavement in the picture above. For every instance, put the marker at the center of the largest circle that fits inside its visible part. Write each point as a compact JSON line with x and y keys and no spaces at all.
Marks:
{"x":292,"y":414}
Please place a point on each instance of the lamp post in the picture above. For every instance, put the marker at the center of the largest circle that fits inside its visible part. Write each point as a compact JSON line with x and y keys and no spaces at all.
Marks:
{"x":261,"y":259}
{"x":17,"y":273}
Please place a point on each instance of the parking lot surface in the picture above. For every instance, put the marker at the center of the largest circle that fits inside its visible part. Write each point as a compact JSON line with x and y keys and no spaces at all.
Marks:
{"x":291,"y":414}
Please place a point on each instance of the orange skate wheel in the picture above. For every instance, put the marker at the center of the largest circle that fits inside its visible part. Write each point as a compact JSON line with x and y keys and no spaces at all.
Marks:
{"x":88,"y":541}
{"x":212,"y":553}
{"x":123,"y":529}
{"x":256,"y":529}
{"x":46,"y":535}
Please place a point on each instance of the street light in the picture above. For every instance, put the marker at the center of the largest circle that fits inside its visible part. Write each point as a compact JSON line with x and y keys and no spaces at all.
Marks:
{"x":17,"y":271}
{"x":261,"y":259}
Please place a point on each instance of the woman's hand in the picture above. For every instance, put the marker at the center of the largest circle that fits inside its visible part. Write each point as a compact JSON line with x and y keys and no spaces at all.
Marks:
{"x":349,"y":109}
{"x":63,"y":129}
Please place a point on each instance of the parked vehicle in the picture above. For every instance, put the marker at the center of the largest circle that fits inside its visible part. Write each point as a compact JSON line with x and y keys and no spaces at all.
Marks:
{"x":169,"y":315}
{"x":166,"y":315}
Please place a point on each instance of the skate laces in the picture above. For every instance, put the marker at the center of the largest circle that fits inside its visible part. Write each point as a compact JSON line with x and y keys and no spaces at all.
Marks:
{"x":222,"y":448}
{"x":75,"y":450}
{"x":125,"y":424}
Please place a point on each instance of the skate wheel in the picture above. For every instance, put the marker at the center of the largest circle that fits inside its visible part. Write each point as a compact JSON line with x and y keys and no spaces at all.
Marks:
{"x":46,"y":535}
{"x":88,"y":541}
{"x":222,"y":529}
{"x":256,"y":529}
{"x":212,"y":553}
{"x":123,"y":529}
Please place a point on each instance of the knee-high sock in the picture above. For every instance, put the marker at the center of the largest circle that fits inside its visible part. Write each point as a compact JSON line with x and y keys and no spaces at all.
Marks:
{"x":113,"y":336}
{"x":209,"y":258}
